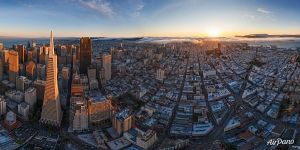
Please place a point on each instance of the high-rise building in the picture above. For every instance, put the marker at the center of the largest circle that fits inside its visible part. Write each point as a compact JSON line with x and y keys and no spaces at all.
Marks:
{"x":5,"y":61}
{"x":79,"y":113}
{"x":20,"y":83}
{"x":85,"y":82}
{"x":40,"y":88}
{"x":92,"y":78}
{"x":35,"y":52}
{"x":23,"y":109}
{"x":99,"y":108}
{"x":51,"y":111}
{"x":13,"y":66}
{"x":70,"y":49}
{"x":85,"y":54}
{"x":77,"y":87}
{"x":43,"y":55}
{"x":106,"y":59}
{"x":41,"y":71}
{"x":74,"y":60}
{"x":1,"y":69}
{"x":2,"y":106}
{"x":29,"y":55}
{"x":63,"y":50}
{"x":28,"y":45}
{"x":66,"y":75}
{"x":77,"y":52}
{"x":102,"y":77}
{"x":98,"y":62}
{"x":6,"y":56}
{"x":1,"y":46}
{"x":30,"y":70}
{"x":122,"y":121}
{"x":27,"y":84}
{"x":21,"y":52}
{"x":30,"y":97}
{"x":92,"y":73}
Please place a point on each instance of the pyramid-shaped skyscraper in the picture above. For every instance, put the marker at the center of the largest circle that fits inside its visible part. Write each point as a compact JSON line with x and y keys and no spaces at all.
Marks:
{"x":51,"y":111}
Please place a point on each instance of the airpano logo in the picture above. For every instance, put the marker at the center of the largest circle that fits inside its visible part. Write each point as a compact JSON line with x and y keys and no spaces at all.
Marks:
{"x":280,"y":141}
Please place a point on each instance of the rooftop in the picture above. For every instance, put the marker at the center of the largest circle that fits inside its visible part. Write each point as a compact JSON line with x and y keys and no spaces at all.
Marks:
{"x":123,"y":114}
{"x":96,"y":97}
{"x":118,"y":143}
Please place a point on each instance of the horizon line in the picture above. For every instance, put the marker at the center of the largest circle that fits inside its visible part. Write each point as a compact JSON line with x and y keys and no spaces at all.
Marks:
{"x":45,"y":37}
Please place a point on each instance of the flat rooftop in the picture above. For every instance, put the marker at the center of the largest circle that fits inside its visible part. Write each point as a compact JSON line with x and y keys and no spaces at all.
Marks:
{"x":95,"y":97}
{"x":118,"y":144}
{"x":123,"y":114}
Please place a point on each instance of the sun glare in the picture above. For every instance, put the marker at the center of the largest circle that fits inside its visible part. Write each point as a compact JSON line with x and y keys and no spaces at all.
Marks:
{"x":213,"y":32}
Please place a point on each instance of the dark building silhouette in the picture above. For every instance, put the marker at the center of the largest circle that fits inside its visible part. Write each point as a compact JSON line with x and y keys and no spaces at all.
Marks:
{"x":85,"y":54}
{"x":21,"y":52}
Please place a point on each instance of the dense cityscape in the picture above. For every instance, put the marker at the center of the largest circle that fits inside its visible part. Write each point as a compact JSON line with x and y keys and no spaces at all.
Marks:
{"x":149,"y":75}
{"x":124,"y":94}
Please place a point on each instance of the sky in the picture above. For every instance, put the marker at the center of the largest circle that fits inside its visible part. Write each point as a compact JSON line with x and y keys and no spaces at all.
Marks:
{"x":155,"y":18}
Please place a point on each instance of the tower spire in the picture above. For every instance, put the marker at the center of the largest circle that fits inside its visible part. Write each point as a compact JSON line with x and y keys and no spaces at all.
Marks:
{"x":51,"y":51}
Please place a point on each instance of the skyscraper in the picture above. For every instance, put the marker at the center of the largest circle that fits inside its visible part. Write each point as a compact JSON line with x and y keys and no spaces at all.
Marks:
{"x":31,"y":70}
{"x":51,"y":111}
{"x":30,"y":97}
{"x":1,"y":46}
{"x":41,"y":71}
{"x":2,"y":106}
{"x":20,"y":83}
{"x":85,"y":54}
{"x":40,"y":88}
{"x":122,"y":121}
{"x":13,"y":61}
{"x":106,"y":59}
{"x":92,"y":78}
{"x":21,"y":52}
{"x":66,"y":76}
{"x":1,"y":69}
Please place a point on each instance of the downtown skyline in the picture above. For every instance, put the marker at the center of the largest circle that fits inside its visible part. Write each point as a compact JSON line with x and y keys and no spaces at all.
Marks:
{"x":136,"y":18}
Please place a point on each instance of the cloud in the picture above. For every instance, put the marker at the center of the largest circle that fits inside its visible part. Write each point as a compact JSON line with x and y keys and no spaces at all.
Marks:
{"x":167,"y":8}
{"x":138,"y":10}
{"x":133,"y":8}
{"x":102,"y":6}
{"x":264,"y":11}
{"x":166,"y":40}
{"x":252,"y":17}
{"x":115,"y":8}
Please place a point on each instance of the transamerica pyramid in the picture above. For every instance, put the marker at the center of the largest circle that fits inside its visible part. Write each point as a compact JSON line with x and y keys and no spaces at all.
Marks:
{"x":51,"y":111}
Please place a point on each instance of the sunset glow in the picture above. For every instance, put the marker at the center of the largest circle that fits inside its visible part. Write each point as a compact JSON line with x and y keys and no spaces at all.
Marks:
{"x":213,"y":32}
{"x":132,"y":18}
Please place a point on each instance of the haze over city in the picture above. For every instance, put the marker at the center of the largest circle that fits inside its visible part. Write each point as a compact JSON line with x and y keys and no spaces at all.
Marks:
{"x":136,"y":18}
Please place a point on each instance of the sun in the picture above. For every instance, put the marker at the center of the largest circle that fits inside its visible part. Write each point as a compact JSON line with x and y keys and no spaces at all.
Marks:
{"x":213,"y":32}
